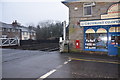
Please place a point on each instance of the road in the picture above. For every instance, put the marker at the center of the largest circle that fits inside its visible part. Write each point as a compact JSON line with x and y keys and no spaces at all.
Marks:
{"x":37,"y":64}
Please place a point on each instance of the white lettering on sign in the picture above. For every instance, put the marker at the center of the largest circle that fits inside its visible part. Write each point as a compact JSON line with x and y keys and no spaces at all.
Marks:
{"x":100,"y":22}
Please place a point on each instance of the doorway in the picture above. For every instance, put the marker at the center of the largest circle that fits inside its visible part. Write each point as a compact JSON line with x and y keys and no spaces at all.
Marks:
{"x":114,"y":43}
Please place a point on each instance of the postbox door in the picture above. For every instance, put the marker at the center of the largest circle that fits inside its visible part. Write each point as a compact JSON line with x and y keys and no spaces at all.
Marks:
{"x":77,"y":44}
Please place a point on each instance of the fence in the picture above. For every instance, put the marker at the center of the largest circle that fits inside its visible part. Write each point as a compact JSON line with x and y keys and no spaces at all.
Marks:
{"x":29,"y":42}
{"x":9,"y":41}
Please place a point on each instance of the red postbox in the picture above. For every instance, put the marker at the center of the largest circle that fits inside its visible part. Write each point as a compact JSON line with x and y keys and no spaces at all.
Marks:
{"x":77,"y":44}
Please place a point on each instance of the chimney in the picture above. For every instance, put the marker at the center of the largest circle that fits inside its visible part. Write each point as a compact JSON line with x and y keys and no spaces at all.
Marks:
{"x":14,"y":23}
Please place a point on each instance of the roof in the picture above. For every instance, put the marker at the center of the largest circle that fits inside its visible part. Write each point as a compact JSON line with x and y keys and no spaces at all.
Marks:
{"x":23,"y":28}
{"x":69,"y":1}
{"x":32,"y":30}
{"x":26,"y":29}
{"x":5,"y":25}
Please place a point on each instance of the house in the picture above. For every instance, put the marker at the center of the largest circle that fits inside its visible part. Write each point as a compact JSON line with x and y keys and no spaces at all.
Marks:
{"x":94,"y":26}
{"x":9,"y":31}
{"x":27,"y":33}
{"x":16,"y":31}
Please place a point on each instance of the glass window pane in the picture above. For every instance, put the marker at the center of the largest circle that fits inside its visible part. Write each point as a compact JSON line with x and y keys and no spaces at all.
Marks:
{"x":87,"y":10}
{"x":90,"y":31}
{"x":118,"y":29}
{"x":90,"y":41}
{"x":114,"y":29}
{"x":101,"y":41}
{"x":96,"y":41}
{"x":115,"y":40}
{"x":101,"y":30}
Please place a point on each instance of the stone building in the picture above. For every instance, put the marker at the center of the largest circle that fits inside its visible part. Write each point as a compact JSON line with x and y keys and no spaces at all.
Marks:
{"x":94,"y":25}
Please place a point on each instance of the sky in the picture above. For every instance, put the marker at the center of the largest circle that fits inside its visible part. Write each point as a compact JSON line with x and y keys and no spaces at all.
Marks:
{"x":28,"y":12}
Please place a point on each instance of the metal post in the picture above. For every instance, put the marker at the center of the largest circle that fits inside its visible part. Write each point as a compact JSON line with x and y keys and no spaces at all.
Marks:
{"x":64,"y":30}
{"x":62,"y":42}
{"x":18,"y":40}
{"x":9,"y":41}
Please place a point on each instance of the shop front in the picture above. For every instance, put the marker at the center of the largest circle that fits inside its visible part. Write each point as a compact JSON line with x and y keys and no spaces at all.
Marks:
{"x":102,"y":35}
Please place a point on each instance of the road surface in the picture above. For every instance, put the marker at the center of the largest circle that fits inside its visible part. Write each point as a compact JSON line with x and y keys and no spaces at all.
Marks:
{"x":37,"y":64}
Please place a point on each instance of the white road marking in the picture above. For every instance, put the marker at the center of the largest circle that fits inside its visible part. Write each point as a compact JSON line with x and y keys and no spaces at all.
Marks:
{"x":65,"y":62}
{"x":47,"y":74}
{"x":69,"y":60}
{"x":59,"y":66}
{"x":52,"y":71}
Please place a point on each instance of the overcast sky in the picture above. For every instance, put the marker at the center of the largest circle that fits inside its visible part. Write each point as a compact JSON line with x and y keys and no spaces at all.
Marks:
{"x":32,"y":11}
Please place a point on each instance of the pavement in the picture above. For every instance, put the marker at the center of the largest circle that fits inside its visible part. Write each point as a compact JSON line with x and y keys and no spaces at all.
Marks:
{"x":37,"y":65}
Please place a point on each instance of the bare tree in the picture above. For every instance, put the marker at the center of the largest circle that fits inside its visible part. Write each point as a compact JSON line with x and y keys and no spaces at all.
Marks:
{"x":49,"y":29}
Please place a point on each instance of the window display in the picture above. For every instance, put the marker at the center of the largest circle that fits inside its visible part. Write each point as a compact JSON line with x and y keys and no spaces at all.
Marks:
{"x":114,"y":29}
{"x":90,"y":41}
{"x":96,"y":40}
{"x":101,"y":41}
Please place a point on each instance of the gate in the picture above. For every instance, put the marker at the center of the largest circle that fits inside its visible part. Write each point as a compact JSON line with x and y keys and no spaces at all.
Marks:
{"x":9,"y":41}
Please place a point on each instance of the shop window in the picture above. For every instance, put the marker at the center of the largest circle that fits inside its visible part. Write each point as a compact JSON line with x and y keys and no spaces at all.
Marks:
{"x":90,"y":39}
{"x":101,"y":30}
{"x":115,"y":40}
{"x":101,"y":41}
{"x":96,"y":40}
{"x":114,"y":29}
{"x":90,"y":31}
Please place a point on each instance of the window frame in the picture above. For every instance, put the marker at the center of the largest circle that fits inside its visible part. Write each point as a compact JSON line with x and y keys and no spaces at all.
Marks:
{"x":27,"y":33}
{"x":23,"y":33}
{"x":13,"y":30}
{"x":94,"y":44}
{"x":8,"y":30}
{"x":25,"y":38}
{"x":87,"y":5}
